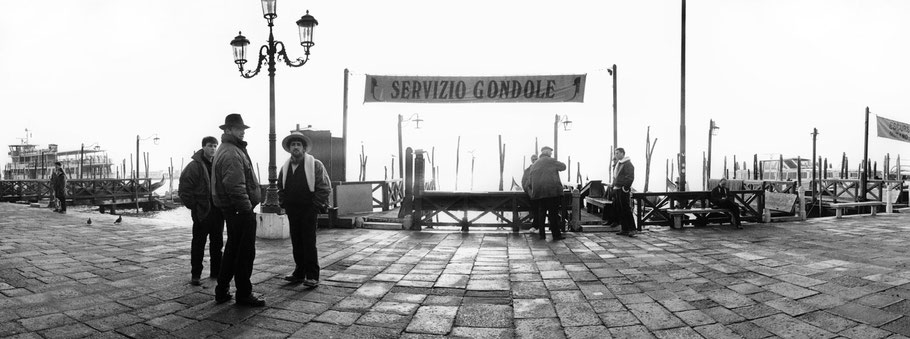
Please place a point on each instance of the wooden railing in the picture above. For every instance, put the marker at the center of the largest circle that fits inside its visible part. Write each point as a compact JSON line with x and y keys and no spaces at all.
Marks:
{"x":848,"y":190}
{"x":488,"y":209}
{"x":81,"y":191}
{"x":651,"y":207}
{"x":390,"y":192}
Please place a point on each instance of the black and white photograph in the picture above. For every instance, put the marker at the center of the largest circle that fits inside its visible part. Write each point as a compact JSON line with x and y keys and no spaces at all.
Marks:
{"x":471,"y":169}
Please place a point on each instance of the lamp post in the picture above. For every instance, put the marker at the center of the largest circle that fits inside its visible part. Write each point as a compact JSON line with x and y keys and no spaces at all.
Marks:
{"x":271,"y":52}
{"x":712,"y":131}
{"x":612,"y":72}
{"x":401,"y":121}
{"x":566,"y":125}
{"x":154,"y":138}
{"x":682,"y":104}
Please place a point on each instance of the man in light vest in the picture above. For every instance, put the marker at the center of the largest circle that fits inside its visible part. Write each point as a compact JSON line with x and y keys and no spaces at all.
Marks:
{"x":304,"y":188}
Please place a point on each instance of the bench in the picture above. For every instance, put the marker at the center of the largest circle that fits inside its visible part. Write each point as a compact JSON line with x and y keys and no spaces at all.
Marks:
{"x":677,"y":214}
{"x":596,"y":203}
{"x":839,"y":207}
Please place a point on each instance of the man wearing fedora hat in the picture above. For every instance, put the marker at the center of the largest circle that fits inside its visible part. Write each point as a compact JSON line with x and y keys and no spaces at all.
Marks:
{"x":235,"y":190}
{"x":303,"y":189}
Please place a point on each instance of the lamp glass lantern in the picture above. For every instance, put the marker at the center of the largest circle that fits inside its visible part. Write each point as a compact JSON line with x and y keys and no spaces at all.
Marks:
{"x":306,"y":25}
{"x":566,"y":123}
{"x":239,"y":46}
{"x":269,"y":10}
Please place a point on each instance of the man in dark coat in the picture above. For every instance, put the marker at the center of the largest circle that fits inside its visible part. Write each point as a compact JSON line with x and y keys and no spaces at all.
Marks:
{"x":526,"y":186}
{"x":58,"y":184}
{"x":235,"y":190}
{"x":721,"y":197}
{"x":623,"y":176}
{"x":304,"y":190}
{"x":195,"y":192}
{"x":546,"y":189}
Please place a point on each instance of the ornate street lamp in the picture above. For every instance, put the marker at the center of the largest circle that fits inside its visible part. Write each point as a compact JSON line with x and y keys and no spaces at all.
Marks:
{"x":270,"y":53}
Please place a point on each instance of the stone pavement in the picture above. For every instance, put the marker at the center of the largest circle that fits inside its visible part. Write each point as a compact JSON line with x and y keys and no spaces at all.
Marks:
{"x":825,"y":278}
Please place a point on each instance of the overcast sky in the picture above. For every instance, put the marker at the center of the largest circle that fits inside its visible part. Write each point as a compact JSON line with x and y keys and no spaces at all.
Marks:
{"x":767,"y":72}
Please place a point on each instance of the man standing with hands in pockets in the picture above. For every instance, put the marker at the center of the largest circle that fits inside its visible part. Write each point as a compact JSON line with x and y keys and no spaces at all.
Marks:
{"x":304,"y":188}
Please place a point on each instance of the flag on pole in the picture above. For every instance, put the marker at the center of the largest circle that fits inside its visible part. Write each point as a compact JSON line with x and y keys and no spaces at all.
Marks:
{"x":892,"y":129}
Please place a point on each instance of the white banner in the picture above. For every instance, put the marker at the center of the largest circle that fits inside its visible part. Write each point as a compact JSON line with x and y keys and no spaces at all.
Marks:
{"x":891,"y":129}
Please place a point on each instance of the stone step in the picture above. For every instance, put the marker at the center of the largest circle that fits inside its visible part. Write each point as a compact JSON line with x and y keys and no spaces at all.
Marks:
{"x":785,"y":219}
{"x":34,"y":204}
{"x":598,"y":228}
{"x":377,"y":225}
{"x":382,"y":219}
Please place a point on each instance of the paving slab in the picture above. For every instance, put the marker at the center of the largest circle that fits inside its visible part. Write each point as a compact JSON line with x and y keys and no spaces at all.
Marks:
{"x":789,"y":327}
{"x":864,"y":314}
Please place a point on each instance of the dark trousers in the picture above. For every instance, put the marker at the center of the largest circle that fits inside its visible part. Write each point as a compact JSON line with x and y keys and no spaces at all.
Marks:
{"x":62,"y":198}
{"x":730,"y":206}
{"x":211,"y":227}
{"x":622,"y":209}
{"x":239,"y":253}
{"x":533,"y":212}
{"x":302,"y":222}
{"x":548,"y":207}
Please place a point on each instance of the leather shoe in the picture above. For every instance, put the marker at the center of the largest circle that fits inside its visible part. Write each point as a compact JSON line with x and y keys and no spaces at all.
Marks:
{"x":222,"y":298}
{"x":558,"y":238}
{"x":195,"y":281}
{"x":542,"y":237}
{"x":294,"y":279}
{"x":311,"y":282}
{"x":250,"y":301}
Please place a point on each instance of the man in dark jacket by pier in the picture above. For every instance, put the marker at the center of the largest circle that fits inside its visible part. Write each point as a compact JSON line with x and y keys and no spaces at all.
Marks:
{"x":195,"y":192}
{"x":304,"y":189}
{"x":623,"y":176}
{"x":546,"y":189}
{"x":58,"y":184}
{"x":235,"y":190}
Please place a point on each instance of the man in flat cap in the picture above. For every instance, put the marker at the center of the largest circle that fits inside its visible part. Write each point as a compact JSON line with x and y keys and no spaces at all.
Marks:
{"x":304,"y":188}
{"x":546,"y":188}
{"x":235,"y":190}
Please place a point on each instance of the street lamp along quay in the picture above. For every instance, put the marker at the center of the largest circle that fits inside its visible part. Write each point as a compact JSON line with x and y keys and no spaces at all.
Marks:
{"x":155,"y":139}
{"x":566,"y":126}
{"x":271,"y":52}
{"x":401,"y":121}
